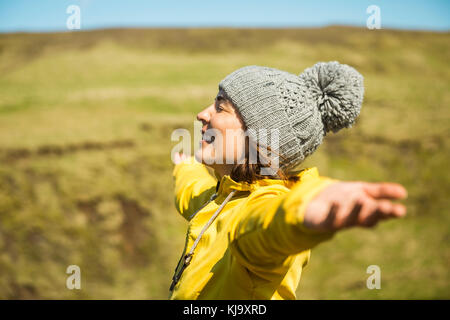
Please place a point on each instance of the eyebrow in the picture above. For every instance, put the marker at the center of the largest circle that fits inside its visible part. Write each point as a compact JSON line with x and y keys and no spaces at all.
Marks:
{"x":220,"y":96}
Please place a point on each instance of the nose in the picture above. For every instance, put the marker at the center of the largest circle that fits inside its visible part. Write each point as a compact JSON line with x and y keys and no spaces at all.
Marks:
{"x":204,"y":116}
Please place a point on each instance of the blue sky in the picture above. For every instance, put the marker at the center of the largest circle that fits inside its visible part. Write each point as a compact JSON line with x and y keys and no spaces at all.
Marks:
{"x":50,"y":15}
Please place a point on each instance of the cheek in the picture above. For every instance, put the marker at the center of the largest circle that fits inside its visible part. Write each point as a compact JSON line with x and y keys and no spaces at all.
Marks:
{"x":232,"y":140}
{"x":234,"y":144}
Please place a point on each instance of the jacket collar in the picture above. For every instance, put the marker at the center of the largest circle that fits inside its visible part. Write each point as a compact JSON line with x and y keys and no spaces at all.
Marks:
{"x":226,"y":184}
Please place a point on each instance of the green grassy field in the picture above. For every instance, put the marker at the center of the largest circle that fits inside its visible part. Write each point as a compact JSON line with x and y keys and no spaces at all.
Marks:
{"x":85,"y":170}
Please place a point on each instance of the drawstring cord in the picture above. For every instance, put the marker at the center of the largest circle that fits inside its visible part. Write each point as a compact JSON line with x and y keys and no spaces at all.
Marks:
{"x":214,"y":196}
{"x":188,"y":257}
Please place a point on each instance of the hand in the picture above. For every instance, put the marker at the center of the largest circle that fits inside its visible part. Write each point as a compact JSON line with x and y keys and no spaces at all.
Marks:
{"x":346,"y":204}
{"x":179,"y":157}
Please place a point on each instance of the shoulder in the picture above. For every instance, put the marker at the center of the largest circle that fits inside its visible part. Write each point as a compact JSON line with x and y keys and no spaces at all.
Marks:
{"x":270,"y":187}
{"x":263,"y":193}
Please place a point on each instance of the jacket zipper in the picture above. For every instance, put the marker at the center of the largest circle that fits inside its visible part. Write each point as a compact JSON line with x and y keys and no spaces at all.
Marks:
{"x":178,"y":271}
{"x":188,"y":257}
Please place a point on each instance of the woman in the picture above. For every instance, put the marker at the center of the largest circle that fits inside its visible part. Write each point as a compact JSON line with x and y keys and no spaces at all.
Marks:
{"x":252,"y":224}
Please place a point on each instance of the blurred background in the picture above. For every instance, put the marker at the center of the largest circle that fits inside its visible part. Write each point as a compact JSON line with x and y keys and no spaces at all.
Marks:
{"x":89,"y":98}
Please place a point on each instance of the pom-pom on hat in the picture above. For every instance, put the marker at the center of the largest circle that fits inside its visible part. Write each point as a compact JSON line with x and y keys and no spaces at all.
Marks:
{"x":326,"y":97}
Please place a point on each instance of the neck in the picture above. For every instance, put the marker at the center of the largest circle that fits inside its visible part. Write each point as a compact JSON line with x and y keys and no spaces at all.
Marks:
{"x":222,"y":169}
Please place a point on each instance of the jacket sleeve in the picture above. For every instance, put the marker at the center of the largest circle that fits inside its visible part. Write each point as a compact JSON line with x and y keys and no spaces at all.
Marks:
{"x":194,"y":185}
{"x":271,"y":231}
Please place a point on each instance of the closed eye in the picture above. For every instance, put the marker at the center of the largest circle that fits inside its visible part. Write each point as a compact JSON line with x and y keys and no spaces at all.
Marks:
{"x":218,"y":103}
{"x":219,"y":107}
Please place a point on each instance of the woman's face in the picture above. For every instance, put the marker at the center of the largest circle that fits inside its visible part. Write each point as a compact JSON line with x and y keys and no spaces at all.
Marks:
{"x":223,"y":140}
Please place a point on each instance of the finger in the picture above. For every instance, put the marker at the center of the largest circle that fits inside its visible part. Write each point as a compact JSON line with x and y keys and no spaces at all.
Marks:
{"x":383,"y":210}
{"x":329,"y":222}
{"x":396,"y":211}
{"x":344,"y":209}
{"x":399,"y":210}
{"x":176,"y":158}
{"x":368,"y":215}
{"x":352,"y":218}
{"x":380,"y":210}
{"x":385,"y":190}
{"x":179,"y":157}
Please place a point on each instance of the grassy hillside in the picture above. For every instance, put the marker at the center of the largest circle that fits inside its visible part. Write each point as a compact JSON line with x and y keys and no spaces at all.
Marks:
{"x":85,"y":170}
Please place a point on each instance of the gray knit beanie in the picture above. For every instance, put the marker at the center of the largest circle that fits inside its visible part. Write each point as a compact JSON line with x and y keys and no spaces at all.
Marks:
{"x":326,"y":97}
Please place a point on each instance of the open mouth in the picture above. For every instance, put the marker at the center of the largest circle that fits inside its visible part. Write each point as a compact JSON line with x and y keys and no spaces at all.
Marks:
{"x":208,"y":137}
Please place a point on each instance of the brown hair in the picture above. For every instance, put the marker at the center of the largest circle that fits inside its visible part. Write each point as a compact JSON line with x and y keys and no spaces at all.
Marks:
{"x":250,"y":172}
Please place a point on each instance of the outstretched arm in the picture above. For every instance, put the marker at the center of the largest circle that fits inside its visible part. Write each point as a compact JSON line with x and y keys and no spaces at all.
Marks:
{"x":279,"y":225}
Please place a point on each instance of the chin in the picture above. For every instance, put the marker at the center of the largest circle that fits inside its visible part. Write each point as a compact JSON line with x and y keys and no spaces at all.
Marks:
{"x":202,"y":158}
{"x":207,"y":157}
{"x":198,"y":156}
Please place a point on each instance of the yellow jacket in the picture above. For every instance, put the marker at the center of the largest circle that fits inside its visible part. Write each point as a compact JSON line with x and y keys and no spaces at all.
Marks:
{"x":257,"y":246}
